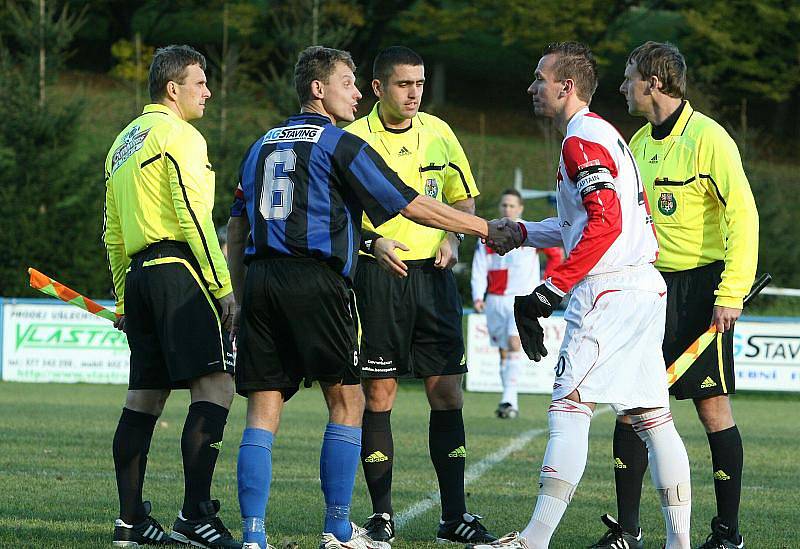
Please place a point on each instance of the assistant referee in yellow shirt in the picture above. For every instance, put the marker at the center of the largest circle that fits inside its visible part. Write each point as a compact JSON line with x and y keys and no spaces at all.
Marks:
{"x":707,"y":227}
{"x":411,"y":322}
{"x":175,"y":297}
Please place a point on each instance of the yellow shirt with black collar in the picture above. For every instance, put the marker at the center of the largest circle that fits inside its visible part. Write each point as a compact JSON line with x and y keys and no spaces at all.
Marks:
{"x":701,"y":201}
{"x":428,"y":158}
{"x":160,"y":186}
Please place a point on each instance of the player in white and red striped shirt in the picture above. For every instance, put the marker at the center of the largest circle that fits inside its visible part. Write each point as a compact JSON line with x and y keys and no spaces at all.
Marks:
{"x":496,"y":280}
{"x":611,"y":351}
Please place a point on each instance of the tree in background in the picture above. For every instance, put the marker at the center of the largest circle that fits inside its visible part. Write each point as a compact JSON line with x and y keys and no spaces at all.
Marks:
{"x":50,"y":201}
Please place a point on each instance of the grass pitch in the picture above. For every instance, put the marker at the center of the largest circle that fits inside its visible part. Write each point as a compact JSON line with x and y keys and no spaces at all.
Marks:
{"x":57,"y":481}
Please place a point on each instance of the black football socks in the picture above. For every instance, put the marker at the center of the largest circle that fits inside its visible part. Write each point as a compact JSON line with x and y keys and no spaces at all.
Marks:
{"x":447,"y":445}
{"x":630,"y":464}
{"x":201,"y":443}
{"x":727,"y":457}
{"x":377,"y":458}
{"x":131,"y":445}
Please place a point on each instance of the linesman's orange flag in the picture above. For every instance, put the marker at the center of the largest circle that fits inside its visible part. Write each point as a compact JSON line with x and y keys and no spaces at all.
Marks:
{"x":47,"y":285}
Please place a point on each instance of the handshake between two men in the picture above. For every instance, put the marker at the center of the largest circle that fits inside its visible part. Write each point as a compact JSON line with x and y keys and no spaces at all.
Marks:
{"x":505,"y":235}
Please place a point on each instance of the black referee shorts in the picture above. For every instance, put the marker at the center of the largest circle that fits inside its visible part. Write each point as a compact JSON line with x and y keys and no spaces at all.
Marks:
{"x":410,"y":326}
{"x":298,"y":323}
{"x":171,"y":320}
{"x":690,"y":306}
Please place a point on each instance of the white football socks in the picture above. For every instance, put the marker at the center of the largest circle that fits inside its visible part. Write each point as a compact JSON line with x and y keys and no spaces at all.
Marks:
{"x":669,"y":469}
{"x":562,"y":469}
{"x":509,"y":376}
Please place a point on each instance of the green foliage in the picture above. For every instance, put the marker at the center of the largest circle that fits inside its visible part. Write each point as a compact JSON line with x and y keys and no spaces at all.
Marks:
{"x":748,"y":49}
{"x":128,"y":67}
{"x":778,"y":251}
{"x":50,"y":199}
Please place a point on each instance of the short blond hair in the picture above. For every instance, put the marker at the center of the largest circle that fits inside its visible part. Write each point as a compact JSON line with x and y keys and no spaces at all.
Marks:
{"x":665,"y":61}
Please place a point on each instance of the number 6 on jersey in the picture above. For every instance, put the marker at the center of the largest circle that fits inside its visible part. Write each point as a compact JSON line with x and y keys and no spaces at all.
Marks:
{"x":278,"y":189}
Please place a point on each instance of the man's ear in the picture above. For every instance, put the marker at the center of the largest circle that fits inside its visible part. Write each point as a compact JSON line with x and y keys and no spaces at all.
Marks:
{"x":377,"y":88}
{"x":317,"y":89}
{"x":172,"y":90}
{"x":568,"y":86}
{"x":654,"y":84}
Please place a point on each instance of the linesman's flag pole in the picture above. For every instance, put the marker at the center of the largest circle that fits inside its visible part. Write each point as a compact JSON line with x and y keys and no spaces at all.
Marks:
{"x":46,"y":285}
{"x":685,"y":361}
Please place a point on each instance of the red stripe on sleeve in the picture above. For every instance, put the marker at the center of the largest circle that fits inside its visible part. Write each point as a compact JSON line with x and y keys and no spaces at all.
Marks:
{"x":580,"y":154}
{"x":555,"y":257}
{"x":602,"y":229}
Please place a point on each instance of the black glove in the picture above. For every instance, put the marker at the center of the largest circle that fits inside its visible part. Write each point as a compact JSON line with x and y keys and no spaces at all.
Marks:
{"x":531,"y":334}
{"x":541,"y":302}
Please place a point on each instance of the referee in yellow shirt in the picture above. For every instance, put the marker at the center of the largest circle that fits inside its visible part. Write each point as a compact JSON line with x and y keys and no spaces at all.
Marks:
{"x":411,"y":322}
{"x":175,"y":297}
{"x":707,"y":227}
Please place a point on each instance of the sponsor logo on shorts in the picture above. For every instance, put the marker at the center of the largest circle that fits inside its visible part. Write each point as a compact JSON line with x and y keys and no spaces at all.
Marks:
{"x":548,"y":469}
{"x":459,"y":452}
{"x":306,"y":132}
{"x":376,"y":457}
{"x":721,"y":475}
{"x":380,"y":362}
{"x":708,"y":383}
{"x":667,"y":204}
{"x":217,"y":446}
{"x":618,"y":464}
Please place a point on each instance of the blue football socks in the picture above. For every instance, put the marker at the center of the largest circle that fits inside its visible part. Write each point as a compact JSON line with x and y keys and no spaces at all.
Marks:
{"x":338,"y":462}
{"x":254,"y":474}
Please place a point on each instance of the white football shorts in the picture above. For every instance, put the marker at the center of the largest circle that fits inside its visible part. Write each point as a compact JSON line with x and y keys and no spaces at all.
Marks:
{"x":500,"y":319}
{"x":611,"y":351}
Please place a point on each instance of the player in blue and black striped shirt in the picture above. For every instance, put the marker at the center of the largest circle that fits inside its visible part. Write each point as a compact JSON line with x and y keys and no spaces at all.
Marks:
{"x":303,"y":188}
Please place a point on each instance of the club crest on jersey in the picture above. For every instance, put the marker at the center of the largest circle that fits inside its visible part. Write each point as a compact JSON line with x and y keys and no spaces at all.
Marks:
{"x":131,"y":142}
{"x":431,"y":188}
{"x":305,"y":132}
{"x":667,"y":204}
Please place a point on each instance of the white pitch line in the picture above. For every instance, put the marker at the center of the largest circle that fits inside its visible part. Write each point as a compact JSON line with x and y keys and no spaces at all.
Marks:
{"x":474,"y":472}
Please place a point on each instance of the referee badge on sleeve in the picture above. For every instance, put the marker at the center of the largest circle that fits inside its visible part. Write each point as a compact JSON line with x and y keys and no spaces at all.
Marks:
{"x":431,"y":188}
{"x":667,"y":204}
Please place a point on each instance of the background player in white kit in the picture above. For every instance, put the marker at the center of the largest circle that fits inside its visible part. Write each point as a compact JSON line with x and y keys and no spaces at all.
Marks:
{"x":611,"y":348}
{"x":496,"y":279}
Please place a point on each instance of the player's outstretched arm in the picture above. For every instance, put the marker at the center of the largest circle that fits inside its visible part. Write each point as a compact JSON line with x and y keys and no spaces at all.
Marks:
{"x":432,"y":213}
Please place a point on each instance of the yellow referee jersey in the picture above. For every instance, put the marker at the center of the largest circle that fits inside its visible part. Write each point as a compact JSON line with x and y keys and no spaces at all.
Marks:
{"x":160,"y":186}
{"x":701,"y":201}
{"x":428,"y":158}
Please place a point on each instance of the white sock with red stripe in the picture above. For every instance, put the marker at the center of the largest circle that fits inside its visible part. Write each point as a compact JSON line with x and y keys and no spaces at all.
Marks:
{"x":509,"y":375}
{"x":562,"y":469}
{"x":669,"y":469}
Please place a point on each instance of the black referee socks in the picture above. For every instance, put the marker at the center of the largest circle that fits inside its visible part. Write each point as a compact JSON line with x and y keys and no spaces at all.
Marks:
{"x":200,"y":445}
{"x":630,"y":464}
{"x":449,"y":455}
{"x":727,"y":457}
{"x":377,"y":458}
{"x":131,"y":445}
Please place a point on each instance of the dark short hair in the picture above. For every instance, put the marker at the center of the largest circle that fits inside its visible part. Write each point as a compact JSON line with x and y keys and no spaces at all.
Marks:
{"x":576,"y":62}
{"x":513,"y":192}
{"x":665,"y":61}
{"x":317,"y":63}
{"x":389,"y":58}
{"x":169,"y":65}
